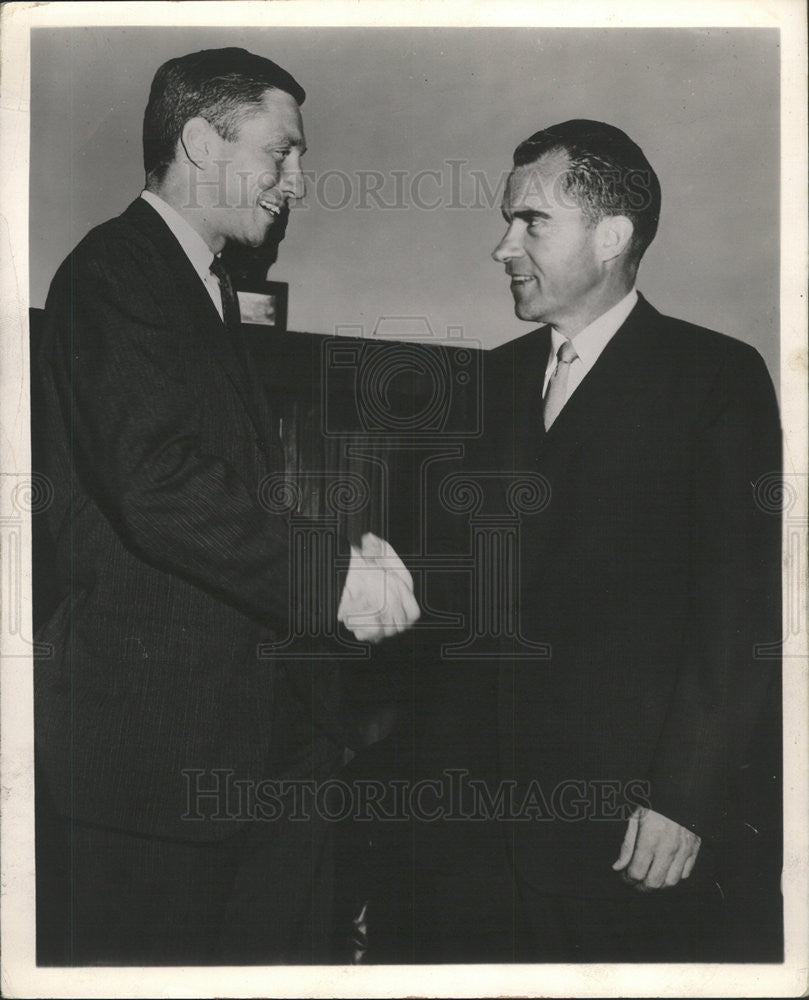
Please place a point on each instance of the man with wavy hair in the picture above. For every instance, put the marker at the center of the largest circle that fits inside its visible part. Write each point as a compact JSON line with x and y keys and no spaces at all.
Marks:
{"x":157,"y":717}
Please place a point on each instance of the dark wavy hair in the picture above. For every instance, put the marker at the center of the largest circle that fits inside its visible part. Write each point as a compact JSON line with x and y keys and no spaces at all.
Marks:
{"x":606,"y":174}
{"x":221,"y":85}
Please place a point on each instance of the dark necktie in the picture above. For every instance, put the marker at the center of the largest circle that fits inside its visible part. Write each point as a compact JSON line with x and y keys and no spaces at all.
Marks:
{"x":231,"y":317}
{"x":230,"y":304}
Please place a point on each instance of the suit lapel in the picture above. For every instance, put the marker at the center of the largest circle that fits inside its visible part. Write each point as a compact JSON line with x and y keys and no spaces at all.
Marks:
{"x":208,"y":322}
{"x":518,"y":388}
{"x":612,"y":385}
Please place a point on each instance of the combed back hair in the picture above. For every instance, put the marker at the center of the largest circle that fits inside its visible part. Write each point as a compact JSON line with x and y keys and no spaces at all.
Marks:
{"x":223,"y":86}
{"x":607,"y":174}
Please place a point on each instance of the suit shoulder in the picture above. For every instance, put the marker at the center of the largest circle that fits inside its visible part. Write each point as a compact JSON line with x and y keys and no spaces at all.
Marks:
{"x":118,"y":267}
{"x":703,"y":343}
{"x":118,"y":253}
{"x":716,"y":367}
{"x":112,"y":240}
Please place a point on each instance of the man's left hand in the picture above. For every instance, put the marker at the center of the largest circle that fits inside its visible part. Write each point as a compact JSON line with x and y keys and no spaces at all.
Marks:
{"x":656,"y":852}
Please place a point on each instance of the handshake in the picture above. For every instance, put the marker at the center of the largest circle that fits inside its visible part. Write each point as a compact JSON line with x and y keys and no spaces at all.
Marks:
{"x":377,"y":599}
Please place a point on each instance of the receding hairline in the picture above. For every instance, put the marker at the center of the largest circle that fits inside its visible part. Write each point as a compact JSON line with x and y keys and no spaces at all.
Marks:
{"x":251,"y":109}
{"x":560,"y":154}
{"x":556,"y":152}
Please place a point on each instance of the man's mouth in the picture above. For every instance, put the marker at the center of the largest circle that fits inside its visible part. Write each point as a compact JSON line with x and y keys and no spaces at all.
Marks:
{"x":521,"y":279}
{"x":271,"y":206}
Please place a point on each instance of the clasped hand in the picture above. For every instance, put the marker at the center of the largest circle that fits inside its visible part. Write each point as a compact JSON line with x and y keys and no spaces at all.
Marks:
{"x":657,"y":852}
{"x":377,"y":599}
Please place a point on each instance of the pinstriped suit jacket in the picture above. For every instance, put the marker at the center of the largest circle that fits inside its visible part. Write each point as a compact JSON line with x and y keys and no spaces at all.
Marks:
{"x":171,"y":572}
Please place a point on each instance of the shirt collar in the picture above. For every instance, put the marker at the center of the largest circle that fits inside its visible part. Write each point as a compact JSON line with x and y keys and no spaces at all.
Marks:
{"x":194,"y":246}
{"x":594,"y":338}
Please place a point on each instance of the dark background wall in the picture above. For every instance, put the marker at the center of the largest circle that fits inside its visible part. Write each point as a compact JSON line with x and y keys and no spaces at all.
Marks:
{"x":387,"y":106}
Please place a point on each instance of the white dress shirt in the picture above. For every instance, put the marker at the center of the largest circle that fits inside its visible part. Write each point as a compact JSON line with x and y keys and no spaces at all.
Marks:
{"x":194,"y":246}
{"x":589,"y":343}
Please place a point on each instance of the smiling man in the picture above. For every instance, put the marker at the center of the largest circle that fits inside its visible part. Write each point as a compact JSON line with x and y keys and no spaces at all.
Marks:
{"x":156,"y":716}
{"x":652,"y":576}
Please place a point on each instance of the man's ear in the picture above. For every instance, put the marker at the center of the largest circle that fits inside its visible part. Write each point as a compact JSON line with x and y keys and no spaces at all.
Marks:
{"x":197,"y":139}
{"x":613,"y":236}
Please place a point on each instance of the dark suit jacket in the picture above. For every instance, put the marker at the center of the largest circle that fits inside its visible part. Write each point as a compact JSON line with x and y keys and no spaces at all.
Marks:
{"x":156,"y":438}
{"x":653,"y":573}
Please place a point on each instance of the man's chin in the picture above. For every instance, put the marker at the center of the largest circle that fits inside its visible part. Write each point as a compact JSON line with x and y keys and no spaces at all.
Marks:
{"x":273,"y":231}
{"x":269,"y":236}
{"x":524,"y":311}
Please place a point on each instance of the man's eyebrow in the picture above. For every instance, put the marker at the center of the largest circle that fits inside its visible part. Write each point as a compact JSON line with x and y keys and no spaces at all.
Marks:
{"x":286,"y":140}
{"x":525,"y":214}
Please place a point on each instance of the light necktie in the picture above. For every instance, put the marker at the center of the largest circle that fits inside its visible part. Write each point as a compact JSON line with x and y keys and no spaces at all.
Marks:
{"x":556,"y":394}
{"x":230,"y":304}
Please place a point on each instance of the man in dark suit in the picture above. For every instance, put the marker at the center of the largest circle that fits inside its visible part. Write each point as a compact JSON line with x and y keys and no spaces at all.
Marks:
{"x":652,"y":577}
{"x":157,"y":716}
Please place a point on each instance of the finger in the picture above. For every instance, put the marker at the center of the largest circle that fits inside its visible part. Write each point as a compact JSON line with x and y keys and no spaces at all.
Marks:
{"x":369,"y":594}
{"x":675,"y":872}
{"x":406,"y":607}
{"x":628,"y":845}
{"x":393,"y":617}
{"x":662,"y":860}
{"x":412,"y":608}
{"x":397,"y":619}
{"x":400,"y":600}
{"x":406,"y":597}
{"x":388,"y":616}
{"x":393,"y":563}
{"x":368,"y":632}
{"x":385,"y":617}
{"x":354,"y":611}
{"x":360,"y":613}
{"x":361,"y":633}
{"x":642,"y":856}
{"x":688,"y":867}
{"x":385,"y":628}
{"x":402,"y":573}
{"x":365,"y":633}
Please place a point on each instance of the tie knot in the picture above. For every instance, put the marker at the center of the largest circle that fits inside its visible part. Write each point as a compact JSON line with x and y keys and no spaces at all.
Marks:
{"x":218,"y":270}
{"x":230,"y":303}
{"x":566,"y":353}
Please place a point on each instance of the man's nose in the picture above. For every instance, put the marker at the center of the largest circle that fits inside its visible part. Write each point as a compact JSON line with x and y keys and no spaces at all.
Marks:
{"x":508,"y":248}
{"x":293,"y":182}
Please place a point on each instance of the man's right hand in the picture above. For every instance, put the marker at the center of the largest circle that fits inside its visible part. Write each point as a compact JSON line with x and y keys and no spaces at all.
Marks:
{"x":377,"y":599}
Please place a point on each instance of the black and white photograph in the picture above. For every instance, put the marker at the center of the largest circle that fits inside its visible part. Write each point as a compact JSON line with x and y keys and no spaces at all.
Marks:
{"x":404,"y":500}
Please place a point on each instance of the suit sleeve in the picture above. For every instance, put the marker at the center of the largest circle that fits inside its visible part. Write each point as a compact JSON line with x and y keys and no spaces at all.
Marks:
{"x":133,"y":420}
{"x":726,"y":676}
